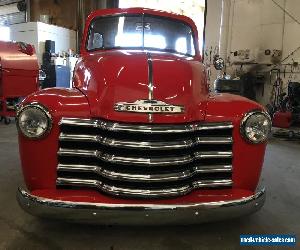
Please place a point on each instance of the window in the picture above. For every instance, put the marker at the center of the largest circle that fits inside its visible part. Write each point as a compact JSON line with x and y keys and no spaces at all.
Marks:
{"x":194,"y":9}
{"x":146,"y":32}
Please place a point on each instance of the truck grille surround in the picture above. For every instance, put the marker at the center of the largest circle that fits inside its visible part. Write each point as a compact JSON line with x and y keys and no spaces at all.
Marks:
{"x":144,"y":161}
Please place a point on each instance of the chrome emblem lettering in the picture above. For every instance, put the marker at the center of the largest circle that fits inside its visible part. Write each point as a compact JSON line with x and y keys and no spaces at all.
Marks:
{"x":148,"y":107}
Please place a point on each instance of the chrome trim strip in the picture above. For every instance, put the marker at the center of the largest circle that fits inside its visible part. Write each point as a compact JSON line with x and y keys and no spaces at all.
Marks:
{"x":139,"y":214}
{"x":150,"y":82}
{"x":150,"y":76}
{"x":150,"y":128}
{"x":179,"y":160}
{"x":145,"y":193}
{"x":213,"y":154}
{"x":163,"y":145}
{"x":101,"y":171}
{"x":213,"y":140}
{"x":148,"y":207}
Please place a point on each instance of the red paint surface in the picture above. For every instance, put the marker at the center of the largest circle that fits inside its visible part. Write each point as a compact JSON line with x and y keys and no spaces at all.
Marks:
{"x":122,"y":76}
{"x":39,"y":157}
{"x":18,"y":73}
{"x":104,"y":78}
{"x":282,"y":119}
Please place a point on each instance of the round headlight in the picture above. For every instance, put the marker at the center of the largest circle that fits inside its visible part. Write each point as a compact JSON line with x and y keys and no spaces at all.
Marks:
{"x":256,"y":126}
{"x":34,"y":121}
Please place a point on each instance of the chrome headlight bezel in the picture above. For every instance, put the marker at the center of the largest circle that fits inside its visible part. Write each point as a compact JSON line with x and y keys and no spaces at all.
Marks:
{"x":41,"y":108}
{"x":244,"y":123}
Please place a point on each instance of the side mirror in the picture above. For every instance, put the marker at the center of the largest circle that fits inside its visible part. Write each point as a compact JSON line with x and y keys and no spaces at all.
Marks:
{"x":219,"y":62}
{"x":26,"y":48}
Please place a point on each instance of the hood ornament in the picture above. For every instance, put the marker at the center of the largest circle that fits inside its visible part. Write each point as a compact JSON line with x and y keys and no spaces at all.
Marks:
{"x":148,"y":107}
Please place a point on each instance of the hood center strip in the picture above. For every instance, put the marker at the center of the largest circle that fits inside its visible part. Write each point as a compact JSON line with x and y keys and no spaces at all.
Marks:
{"x":150,"y":82}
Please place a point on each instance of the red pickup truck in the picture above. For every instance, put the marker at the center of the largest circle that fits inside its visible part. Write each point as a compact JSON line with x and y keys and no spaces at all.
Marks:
{"x":139,"y":139}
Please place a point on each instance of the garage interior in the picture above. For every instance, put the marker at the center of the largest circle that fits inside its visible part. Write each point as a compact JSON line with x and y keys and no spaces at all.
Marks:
{"x":256,"y":43}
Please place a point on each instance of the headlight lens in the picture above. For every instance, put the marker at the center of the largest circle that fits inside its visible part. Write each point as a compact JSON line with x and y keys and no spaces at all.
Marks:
{"x":34,"y":121}
{"x":256,"y":127}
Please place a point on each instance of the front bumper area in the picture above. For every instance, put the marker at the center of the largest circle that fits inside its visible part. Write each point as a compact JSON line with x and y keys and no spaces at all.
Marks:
{"x":139,"y":214}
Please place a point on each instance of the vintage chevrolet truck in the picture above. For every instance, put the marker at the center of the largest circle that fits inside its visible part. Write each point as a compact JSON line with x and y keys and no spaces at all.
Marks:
{"x":139,"y":139}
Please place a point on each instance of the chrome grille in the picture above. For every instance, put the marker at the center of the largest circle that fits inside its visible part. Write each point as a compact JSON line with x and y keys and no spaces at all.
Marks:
{"x":142,"y":161}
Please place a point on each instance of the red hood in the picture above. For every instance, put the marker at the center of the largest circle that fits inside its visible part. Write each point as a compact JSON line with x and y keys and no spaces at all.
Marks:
{"x":110,"y":77}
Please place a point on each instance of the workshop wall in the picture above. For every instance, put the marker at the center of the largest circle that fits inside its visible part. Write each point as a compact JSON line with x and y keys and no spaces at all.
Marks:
{"x":258,"y":25}
{"x":212,"y":35}
{"x":64,"y":13}
{"x":61,"y":12}
{"x":262,"y":24}
{"x":70,"y":14}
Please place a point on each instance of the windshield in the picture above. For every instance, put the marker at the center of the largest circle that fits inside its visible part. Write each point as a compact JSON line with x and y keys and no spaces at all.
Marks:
{"x":141,"y":32}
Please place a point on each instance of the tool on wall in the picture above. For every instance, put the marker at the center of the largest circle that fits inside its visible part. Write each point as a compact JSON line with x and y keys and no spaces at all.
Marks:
{"x":276,"y":94}
{"x":210,"y":53}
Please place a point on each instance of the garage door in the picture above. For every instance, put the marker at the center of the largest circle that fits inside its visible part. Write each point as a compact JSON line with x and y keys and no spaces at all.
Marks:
{"x":12,"y":12}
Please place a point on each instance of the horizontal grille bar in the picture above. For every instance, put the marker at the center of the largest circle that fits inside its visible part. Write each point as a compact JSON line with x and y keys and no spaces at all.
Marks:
{"x":142,"y":193}
{"x":166,"y":177}
{"x":136,"y":128}
{"x":176,"y":160}
{"x":162,"y":145}
{"x":144,"y":160}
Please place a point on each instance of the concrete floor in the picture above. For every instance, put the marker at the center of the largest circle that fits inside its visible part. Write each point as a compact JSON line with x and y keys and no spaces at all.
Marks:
{"x":281,"y":213}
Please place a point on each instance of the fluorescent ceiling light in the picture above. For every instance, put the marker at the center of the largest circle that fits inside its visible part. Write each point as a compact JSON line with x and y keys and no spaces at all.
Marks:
{"x":9,"y":9}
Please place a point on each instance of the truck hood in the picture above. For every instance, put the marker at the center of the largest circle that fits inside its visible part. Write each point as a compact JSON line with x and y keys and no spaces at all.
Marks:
{"x":112,"y":77}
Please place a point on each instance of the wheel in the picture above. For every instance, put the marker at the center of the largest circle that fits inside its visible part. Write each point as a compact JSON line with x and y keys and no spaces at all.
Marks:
{"x":7,"y":120}
{"x":291,"y":134}
{"x":1,"y":118}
